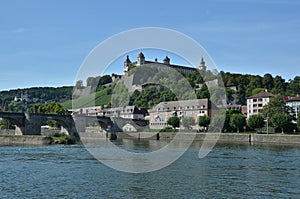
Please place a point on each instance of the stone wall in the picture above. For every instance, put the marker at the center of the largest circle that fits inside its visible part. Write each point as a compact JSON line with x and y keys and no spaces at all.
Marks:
{"x":223,"y":137}
{"x":24,"y":140}
{"x":276,"y":138}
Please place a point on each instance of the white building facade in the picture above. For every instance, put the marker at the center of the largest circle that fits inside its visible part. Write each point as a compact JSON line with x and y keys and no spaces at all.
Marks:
{"x":294,"y":103}
{"x":256,"y":102}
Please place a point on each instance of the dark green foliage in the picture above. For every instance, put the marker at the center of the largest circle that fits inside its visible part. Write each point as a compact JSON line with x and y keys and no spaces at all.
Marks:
{"x":256,"y":121}
{"x":151,"y":96}
{"x":61,"y":138}
{"x":48,"y":108}
{"x":294,"y":86}
{"x":248,"y":85}
{"x":6,"y":124}
{"x":168,"y":129}
{"x":174,"y":121}
{"x":203,"y":121}
{"x":237,"y":121}
{"x":281,"y":120}
{"x":276,"y":105}
{"x":36,"y":95}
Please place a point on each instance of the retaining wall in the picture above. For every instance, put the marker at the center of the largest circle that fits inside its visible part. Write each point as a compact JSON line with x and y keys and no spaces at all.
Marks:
{"x":24,"y":140}
{"x":222,"y":137}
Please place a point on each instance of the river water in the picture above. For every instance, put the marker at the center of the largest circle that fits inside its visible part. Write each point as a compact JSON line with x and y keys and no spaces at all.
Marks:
{"x":229,"y":171}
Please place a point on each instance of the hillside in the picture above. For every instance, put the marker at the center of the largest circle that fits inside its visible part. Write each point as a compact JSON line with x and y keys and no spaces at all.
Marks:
{"x":99,"y":98}
{"x":238,"y":87}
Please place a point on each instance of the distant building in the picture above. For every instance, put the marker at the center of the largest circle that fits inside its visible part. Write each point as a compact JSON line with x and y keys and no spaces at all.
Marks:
{"x":256,"y":102}
{"x":160,"y":113}
{"x":241,"y":108}
{"x":141,"y":61}
{"x":128,"y":112}
{"x":294,"y":103}
{"x":23,"y":97}
{"x":115,"y":77}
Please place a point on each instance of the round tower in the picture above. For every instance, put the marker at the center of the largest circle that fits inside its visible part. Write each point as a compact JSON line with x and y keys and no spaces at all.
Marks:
{"x":127,"y":63}
{"x":167,"y":60}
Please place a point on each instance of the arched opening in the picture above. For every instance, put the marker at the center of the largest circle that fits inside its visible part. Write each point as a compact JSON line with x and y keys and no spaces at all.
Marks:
{"x":51,"y":127}
{"x":9,"y":126}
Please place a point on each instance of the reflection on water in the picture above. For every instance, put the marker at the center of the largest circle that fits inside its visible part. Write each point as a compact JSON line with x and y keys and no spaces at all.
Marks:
{"x":229,"y":171}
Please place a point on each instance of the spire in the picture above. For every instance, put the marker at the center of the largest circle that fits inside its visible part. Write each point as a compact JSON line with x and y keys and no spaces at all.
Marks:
{"x":202,"y":62}
{"x":141,"y":55}
{"x":127,"y":60}
{"x":202,"y":65}
{"x":127,"y":63}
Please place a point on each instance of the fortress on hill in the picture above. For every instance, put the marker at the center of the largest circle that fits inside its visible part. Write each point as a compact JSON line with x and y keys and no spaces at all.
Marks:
{"x":141,"y":61}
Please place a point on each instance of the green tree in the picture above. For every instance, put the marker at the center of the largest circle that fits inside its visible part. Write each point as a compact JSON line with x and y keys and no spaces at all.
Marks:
{"x":49,"y":108}
{"x":204,"y":121}
{"x":281,"y":120}
{"x":187,"y":122}
{"x":256,"y":121}
{"x":279,"y":85}
{"x":237,"y":121}
{"x":174,"y":121}
{"x":294,"y":86}
{"x":276,"y":105}
{"x":268,"y":81}
{"x":6,"y":124}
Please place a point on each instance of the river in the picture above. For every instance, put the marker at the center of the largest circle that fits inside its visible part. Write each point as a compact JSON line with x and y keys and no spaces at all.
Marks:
{"x":229,"y":171}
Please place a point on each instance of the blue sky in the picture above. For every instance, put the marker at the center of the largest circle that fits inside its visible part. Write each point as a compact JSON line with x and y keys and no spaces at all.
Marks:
{"x":43,"y":43}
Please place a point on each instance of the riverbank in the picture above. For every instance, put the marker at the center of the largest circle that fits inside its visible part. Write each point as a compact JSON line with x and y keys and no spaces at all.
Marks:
{"x":24,"y":140}
{"x":222,"y":137}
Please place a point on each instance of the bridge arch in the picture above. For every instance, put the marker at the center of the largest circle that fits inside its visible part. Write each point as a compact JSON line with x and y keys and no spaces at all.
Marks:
{"x":17,"y":119}
{"x":66,"y":121}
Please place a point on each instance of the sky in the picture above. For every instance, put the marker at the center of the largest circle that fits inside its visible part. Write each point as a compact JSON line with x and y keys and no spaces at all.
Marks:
{"x":44,"y":43}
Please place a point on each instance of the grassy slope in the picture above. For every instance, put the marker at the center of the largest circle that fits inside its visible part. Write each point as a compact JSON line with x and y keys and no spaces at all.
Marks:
{"x":99,"y":98}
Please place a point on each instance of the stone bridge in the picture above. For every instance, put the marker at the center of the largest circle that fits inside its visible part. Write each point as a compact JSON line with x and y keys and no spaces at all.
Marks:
{"x":30,"y":124}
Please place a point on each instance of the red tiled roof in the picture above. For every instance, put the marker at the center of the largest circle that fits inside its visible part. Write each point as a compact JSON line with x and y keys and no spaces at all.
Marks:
{"x":296,"y":98}
{"x":262,"y":94}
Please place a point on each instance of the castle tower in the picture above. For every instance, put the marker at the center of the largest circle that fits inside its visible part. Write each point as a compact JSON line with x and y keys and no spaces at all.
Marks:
{"x":127,"y":63}
{"x":140,"y":59}
{"x":202,"y":65}
{"x":167,"y":60}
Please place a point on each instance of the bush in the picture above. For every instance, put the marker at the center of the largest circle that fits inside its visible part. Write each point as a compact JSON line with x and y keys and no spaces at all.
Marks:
{"x":168,"y":129}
